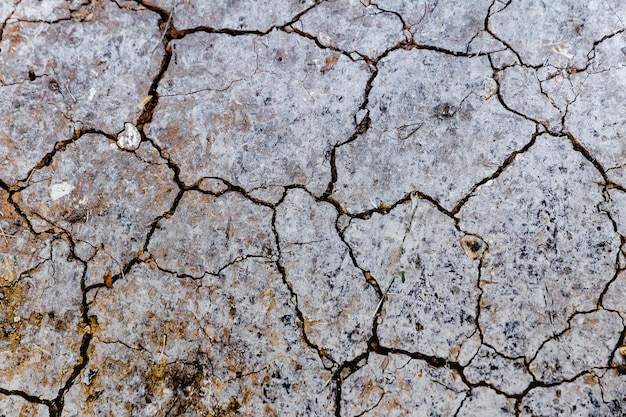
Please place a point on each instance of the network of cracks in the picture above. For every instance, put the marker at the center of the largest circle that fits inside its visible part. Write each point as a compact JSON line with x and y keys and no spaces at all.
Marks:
{"x":312,"y":208}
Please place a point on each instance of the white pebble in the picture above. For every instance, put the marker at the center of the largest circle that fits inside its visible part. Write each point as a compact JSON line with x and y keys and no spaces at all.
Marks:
{"x":130,"y":138}
{"x":60,"y":189}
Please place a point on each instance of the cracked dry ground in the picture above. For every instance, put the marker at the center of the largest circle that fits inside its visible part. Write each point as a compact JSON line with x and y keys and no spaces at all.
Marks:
{"x":338,"y":208}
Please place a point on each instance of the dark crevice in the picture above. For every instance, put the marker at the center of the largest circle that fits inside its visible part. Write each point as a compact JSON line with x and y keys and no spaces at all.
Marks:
{"x":294,"y":296}
{"x":434,"y":361}
{"x":20,"y":212}
{"x":319,"y":44}
{"x":538,"y":384}
{"x":28,"y":397}
{"x":487,"y":29}
{"x":584,"y":152}
{"x":56,"y":406}
{"x":9,"y":16}
{"x":47,"y":159}
{"x":481,"y":292}
{"x":165,"y":215}
{"x":505,"y":164}
{"x":148,"y":110}
{"x":413,"y":45}
{"x":618,"y":349}
{"x":170,"y":31}
{"x":592,"y":52}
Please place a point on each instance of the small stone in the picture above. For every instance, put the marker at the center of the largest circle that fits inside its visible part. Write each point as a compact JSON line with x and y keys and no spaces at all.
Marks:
{"x":60,"y":189}
{"x":473,"y":246}
{"x":130,"y":138}
{"x":89,"y":375}
{"x":491,"y":88}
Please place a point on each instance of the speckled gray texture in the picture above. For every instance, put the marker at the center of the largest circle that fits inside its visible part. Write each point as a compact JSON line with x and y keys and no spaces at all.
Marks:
{"x":550,"y":238}
{"x":336,"y":301}
{"x":90,"y":72}
{"x":377,"y":387}
{"x":312,"y":208}
{"x":428,"y":111}
{"x":505,"y":374}
{"x":242,"y":136}
{"x":417,"y":315}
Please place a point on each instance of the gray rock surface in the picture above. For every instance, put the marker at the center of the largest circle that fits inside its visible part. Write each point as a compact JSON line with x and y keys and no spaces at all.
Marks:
{"x":312,"y":208}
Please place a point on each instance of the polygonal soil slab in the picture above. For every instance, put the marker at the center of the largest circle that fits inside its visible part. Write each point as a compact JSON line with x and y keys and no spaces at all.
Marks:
{"x":40,"y":315}
{"x":551,"y":251}
{"x":207,"y":233}
{"x":507,"y":375}
{"x":395,"y":385}
{"x":106,"y":198}
{"x":20,"y":249}
{"x":431,"y":306}
{"x":222,"y":345}
{"x":427,"y":110}
{"x":94,"y":77}
{"x":333,"y":295}
{"x":613,"y":298}
{"x":596,"y":119}
{"x":485,"y":402}
{"x":453,"y":24}
{"x":587,"y":344}
{"x":572,"y":27}
{"x":273,"y":117}
{"x":522,"y":92}
{"x":612,"y":384}
{"x":17,"y":406}
{"x":583,"y":396}
{"x":30,"y":132}
{"x":373,"y":30}
{"x":49,"y":11}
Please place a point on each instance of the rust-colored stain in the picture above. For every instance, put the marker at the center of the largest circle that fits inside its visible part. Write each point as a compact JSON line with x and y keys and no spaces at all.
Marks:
{"x":108,"y":279}
{"x":331,"y":60}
